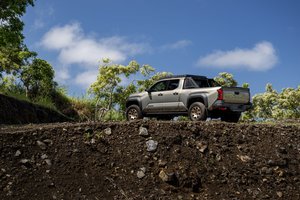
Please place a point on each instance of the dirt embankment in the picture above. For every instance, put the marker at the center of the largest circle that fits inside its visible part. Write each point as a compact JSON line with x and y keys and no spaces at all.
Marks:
{"x":13,"y":111}
{"x":161,"y":160}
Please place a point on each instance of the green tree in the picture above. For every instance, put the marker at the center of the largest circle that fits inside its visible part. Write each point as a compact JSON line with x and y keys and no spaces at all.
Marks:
{"x":108,"y":82}
{"x":13,"y":52}
{"x":37,"y":78}
{"x":274,"y":105}
{"x":226,"y":79}
{"x":111,"y":93}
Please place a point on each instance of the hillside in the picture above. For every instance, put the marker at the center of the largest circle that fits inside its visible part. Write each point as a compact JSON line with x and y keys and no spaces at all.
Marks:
{"x":150,"y":160}
{"x":14,"y":111}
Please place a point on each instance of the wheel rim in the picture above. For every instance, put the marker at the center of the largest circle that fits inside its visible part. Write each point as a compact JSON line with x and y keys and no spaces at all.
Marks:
{"x":132,"y":114}
{"x":196,"y":113}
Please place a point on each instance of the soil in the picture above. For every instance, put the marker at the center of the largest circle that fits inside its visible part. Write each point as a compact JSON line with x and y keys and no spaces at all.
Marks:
{"x":192,"y":160}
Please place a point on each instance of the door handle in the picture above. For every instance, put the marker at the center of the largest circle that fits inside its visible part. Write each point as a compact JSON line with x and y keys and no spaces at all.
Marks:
{"x":175,"y":93}
{"x":160,"y":94}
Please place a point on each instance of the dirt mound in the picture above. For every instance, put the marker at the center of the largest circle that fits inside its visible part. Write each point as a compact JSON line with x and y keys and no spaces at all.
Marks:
{"x":13,"y":111}
{"x":150,"y":160}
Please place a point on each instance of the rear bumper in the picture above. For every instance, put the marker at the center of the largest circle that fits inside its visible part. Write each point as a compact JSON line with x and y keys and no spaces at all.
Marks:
{"x":221,"y":105}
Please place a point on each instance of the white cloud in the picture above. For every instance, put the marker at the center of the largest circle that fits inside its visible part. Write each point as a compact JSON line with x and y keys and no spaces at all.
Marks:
{"x":86,"y":78}
{"x":177,"y":45}
{"x":62,"y":75}
{"x":261,"y":57}
{"x":59,"y":38}
{"x":77,"y":49}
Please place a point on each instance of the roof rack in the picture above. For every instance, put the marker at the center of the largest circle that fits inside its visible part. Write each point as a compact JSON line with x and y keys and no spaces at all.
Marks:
{"x":184,"y":76}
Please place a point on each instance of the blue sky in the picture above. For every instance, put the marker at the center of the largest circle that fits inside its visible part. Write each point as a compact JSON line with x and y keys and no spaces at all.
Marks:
{"x":256,"y":40}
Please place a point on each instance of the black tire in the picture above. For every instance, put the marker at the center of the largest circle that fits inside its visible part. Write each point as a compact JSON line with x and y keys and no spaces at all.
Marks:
{"x":197,"y":112}
{"x":233,"y":117}
{"x":133,"y":112}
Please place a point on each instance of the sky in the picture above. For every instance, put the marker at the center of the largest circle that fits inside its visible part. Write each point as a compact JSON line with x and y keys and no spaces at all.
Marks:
{"x":258,"y":41}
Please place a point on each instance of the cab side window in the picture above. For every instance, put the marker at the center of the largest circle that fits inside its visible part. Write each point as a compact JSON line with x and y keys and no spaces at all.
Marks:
{"x":160,"y":86}
{"x":173,"y":84}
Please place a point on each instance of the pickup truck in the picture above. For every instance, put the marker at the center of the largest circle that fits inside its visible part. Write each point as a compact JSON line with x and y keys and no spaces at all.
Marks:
{"x":197,"y":97}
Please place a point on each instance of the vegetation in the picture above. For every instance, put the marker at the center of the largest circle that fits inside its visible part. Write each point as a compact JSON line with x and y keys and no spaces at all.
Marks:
{"x":25,"y":76}
{"x":272,"y":105}
{"x":111,"y":92}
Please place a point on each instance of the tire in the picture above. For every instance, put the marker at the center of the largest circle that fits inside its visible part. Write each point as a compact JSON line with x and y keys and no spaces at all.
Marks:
{"x":133,"y":112}
{"x":231,"y":117}
{"x":197,"y":112}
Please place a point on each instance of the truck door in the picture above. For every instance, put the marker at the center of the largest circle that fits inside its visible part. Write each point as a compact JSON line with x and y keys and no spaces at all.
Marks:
{"x":163,"y":97}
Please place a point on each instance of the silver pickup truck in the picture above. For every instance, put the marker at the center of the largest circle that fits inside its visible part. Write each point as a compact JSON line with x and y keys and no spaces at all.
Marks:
{"x":194,"y":96}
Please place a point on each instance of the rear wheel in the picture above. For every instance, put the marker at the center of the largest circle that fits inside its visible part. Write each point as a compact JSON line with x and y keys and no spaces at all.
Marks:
{"x":133,"y":112}
{"x":231,"y":117}
{"x":197,"y":112}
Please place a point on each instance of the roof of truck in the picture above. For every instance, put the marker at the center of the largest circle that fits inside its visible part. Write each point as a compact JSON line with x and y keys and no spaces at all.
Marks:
{"x":184,"y":76}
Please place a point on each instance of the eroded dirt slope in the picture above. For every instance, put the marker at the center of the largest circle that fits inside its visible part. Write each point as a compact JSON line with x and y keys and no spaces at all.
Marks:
{"x":13,"y":111}
{"x":161,"y":160}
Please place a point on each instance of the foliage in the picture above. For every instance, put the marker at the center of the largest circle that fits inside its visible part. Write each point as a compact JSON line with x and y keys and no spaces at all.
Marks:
{"x":274,"y":105}
{"x":13,"y":52}
{"x":226,"y":79}
{"x":111,"y":92}
{"x":38,"y":78}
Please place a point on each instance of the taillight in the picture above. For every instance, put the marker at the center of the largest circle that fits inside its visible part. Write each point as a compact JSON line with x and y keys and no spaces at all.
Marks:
{"x":220,"y":94}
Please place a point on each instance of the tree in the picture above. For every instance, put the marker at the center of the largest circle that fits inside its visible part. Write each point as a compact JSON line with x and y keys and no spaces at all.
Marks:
{"x":226,"y":79}
{"x":13,"y":52}
{"x":38,"y":79}
{"x":274,"y":105}
{"x":111,"y":92}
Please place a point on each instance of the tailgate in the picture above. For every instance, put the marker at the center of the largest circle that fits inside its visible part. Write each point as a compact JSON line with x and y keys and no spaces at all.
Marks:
{"x":236,"y":95}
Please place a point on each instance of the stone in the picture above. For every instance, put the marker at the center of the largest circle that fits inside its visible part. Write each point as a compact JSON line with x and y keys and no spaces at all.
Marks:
{"x":162,"y":163}
{"x":151,"y":145}
{"x":44,"y":156}
{"x":244,"y":158}
{"x":48,"y":142}
{"x":93,"y":141}
{"x":143,"y":131}
{"x":48,"y":162}
{"x":141,"y":173}
{"x":107,"y":131}
{"x":201,"y":146}
{"x":24,"y":161}
{"x":166,"y":176}
{"x":42,"y":145}
{"x":18,"y":153}
{"x":279,"y":194}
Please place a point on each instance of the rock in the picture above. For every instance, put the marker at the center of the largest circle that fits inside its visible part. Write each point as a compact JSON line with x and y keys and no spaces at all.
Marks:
{"x":162,"y":163}
{"x":48,"y":161}
{"x":18,"y":153}
{"x":48,"y":142}
{"x":24,"y":161}
{"x":42,"y":145}
{"x":143,"y":131}
{"x":244,"y":158}
{"x":151,"y":145}
{"x":107,"y":131}
{"x":44,"y":156}
{"x":166,"y":176}
{"x":141,"y":173}
{"x":93,"y":141}
{"x":279,"y":194}
{"x":201,"y":146}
